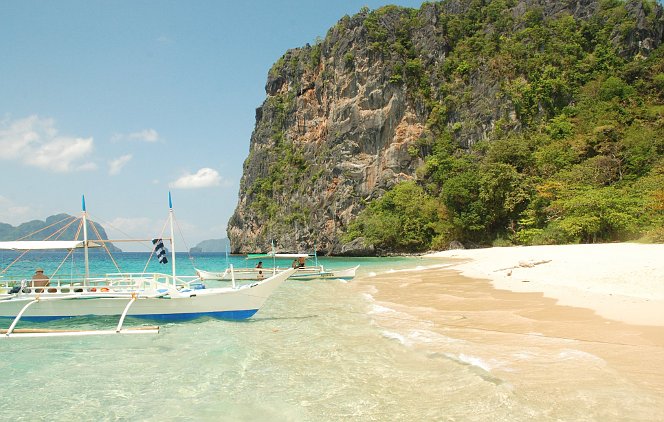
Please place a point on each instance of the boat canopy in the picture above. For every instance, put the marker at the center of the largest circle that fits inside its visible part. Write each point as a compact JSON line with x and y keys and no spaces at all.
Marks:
{"x":34,"y":245}
{"x":278,"y":255}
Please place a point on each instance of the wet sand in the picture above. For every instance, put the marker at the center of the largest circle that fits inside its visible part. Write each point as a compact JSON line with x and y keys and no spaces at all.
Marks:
{"x":527,"y":340}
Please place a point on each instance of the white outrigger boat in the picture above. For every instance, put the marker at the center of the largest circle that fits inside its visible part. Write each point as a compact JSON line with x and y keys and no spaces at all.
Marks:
{"x":302,"y":272}
{"x":153,"y":296}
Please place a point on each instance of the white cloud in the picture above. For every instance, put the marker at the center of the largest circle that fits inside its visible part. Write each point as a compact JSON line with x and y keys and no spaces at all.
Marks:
{"x":115,"y":166}
{"x":12,"y":213}
{"x":87,"y":167}
{"x":145,"y":135}
{"x":135,"y":228}
{"x":61,"y":154}
{"x":150,"y":228}
{"x":204,"y":178}
{"x":35,"y":141}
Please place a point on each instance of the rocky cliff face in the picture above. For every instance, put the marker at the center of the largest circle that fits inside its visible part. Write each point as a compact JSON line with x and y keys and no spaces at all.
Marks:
{"x":348,"y":118}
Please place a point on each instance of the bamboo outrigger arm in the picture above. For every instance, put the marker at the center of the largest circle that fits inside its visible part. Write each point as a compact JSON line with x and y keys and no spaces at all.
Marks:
{"x":18,"y":317}
{"x":13,"y":332}
{"x":124,"y":313}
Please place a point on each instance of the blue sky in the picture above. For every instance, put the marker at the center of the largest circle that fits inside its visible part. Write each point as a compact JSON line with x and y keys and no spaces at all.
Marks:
{"x":125,"y":100}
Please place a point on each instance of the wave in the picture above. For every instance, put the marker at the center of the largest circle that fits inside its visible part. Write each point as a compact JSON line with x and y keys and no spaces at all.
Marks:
{"x":431,"y":337}
{"x":379,"y":309}
{"x":573,"y":354}
{"x":396,"y":336}
{"x":473,"y":361}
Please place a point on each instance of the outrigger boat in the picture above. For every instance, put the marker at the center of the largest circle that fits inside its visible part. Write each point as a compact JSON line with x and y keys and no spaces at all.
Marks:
{"x":303,"y":272}
{"x":153,"y":296}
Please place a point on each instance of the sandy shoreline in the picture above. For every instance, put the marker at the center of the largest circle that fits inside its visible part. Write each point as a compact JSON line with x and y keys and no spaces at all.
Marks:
{"x":619,"y":281}
{"x":573,"y":332}
{"x":594,"y":368}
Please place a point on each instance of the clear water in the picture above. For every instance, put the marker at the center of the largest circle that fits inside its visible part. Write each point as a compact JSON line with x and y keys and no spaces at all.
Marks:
{"x":101,"y":263}
{"x":318,"y":351}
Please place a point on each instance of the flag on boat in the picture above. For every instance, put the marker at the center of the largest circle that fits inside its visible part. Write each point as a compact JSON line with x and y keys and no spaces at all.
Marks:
{"x":160,"y":250}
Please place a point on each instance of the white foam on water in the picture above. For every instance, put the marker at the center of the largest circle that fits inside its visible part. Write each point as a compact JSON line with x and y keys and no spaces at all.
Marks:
{"x":430,"y":337}
{"x":372,"y":289}
{"x":386,"y":312}
{"x":396,"y":336}
{"x":524,"y":355}
{"x":418,"y":268}
{"x":574,"y":354}
{"x":474,"y":361}
{"x":379,"y":309}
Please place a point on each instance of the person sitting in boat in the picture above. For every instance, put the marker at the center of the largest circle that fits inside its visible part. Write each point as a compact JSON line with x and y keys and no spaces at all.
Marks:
{"x":259,"y":265}
{"x":295,"y":264}
{"x":300,"y":263}
{"x":39,"y":279}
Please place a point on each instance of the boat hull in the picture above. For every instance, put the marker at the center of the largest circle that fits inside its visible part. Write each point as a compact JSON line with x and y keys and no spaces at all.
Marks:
{"x":307,"y":273}
{"x":223,"y":303}
{"x":347,"y":274}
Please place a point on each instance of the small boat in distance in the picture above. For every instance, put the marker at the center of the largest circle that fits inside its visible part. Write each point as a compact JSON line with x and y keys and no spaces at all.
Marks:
{"x":153,"y":296}
{"x":303,"y":271}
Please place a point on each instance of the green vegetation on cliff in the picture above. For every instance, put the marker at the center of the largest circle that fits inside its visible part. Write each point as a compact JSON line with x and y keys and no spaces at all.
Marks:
{"x":579,"y":157}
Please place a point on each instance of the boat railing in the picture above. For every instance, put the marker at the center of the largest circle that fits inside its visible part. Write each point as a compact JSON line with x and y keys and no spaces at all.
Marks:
{"x":109,"y":283}
{"x":277,"y":268}
{"x":112,"y":282}
{"x":151,"y":280}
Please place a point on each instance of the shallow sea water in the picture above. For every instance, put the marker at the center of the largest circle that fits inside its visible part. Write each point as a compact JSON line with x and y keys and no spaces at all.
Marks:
{"x":526,"y":357}
{"x":318,"y":351}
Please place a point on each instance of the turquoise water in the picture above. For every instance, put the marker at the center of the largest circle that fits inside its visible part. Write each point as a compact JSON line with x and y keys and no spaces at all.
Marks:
{"x":318,"y":351}
{"x":101,"y":263}
{"x":310,"y":354}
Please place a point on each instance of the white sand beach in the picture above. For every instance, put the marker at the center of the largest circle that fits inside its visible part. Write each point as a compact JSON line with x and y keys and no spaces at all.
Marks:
{"x":619,"y":281}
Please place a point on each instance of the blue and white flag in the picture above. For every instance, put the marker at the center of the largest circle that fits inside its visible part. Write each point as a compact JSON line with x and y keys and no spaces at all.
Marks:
{"x":160,"y":250}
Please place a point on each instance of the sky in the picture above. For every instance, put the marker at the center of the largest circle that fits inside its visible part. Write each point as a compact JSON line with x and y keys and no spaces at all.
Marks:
{"x":123,"y":101}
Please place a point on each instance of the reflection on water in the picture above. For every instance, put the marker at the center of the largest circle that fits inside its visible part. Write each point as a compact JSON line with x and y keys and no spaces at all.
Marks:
{"x":318,"y":351}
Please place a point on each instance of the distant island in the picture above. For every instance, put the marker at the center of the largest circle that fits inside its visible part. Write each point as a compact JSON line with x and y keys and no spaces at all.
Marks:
{"x":212,"y":245}
{"x":40,"y":230}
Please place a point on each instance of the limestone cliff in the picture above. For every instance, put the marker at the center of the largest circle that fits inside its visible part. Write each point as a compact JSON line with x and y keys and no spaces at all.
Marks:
{"x":348,"y":118}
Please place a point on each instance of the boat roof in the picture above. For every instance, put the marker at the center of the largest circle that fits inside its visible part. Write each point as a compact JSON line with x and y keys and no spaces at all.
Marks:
{"x":278,"y":255}
{"x":32,"y":245}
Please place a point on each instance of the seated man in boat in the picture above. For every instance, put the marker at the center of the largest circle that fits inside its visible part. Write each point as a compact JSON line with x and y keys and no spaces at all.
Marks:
{"x":300,"y":263}
{"x":39,"y":279}
{"x":260,"y":264}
